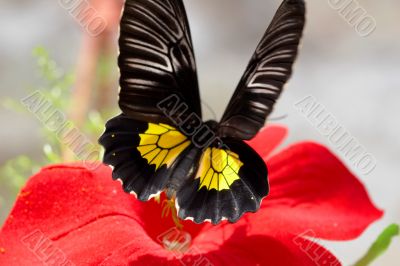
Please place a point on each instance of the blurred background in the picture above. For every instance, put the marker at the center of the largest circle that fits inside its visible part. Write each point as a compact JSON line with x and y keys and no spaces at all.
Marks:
{"x":45,"y":47}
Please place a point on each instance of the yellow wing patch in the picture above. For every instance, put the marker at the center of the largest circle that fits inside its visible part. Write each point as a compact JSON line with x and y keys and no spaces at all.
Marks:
{"x":218,"y":169}
{"x":161,"y":144}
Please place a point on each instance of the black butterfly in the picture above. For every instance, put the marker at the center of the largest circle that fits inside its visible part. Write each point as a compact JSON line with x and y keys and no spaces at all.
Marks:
{"x":160,"y":143}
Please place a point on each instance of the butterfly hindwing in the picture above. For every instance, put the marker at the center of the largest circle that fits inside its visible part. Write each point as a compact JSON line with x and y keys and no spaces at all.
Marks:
{"x":156,"y":59}
{"x":229,"y":181}
{"x":142,"y":154}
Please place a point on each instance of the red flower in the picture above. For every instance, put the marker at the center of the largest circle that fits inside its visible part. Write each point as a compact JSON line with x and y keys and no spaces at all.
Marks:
{"x":69,"y":215}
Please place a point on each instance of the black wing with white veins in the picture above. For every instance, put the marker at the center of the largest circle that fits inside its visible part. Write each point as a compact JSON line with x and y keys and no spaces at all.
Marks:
{"x":267,"y":73}
{"x":156,"y":59}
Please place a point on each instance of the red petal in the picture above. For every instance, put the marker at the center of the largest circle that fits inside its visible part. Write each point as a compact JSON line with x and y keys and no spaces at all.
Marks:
{"x":268,"y":139}
{"x":313,"y":192}
{"x":151,"y":216}
{"x":231,"y":245}
{"x":81,"y":214}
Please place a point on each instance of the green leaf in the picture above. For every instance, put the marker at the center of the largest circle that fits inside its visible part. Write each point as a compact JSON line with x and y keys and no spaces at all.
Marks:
{"x":380,"y":245}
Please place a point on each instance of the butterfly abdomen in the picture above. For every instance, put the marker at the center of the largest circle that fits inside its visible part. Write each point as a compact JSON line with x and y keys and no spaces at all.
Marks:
{"x":185,"y":170}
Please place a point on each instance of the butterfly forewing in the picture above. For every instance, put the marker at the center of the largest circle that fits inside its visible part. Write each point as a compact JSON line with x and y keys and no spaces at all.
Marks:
{"x":156,"y":59}
{"x":268,"y":71}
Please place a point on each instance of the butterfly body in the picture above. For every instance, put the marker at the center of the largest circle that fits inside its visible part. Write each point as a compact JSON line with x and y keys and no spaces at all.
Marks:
{"x":160,"y":143}
{"x":184,"y":171}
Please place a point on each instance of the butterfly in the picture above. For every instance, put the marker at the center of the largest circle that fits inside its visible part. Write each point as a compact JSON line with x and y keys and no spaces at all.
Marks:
{"x":160,"y":144}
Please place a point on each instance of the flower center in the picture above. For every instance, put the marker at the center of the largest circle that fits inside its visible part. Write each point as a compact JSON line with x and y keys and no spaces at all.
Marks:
{"x":177,"y":241}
